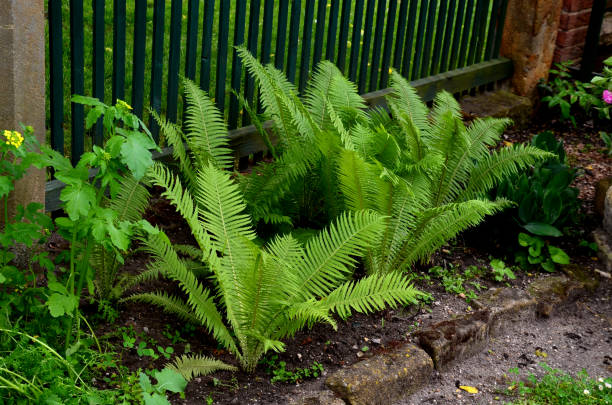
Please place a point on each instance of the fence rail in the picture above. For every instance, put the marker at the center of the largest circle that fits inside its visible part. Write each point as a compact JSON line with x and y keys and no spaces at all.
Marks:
{"x":156,"y":41}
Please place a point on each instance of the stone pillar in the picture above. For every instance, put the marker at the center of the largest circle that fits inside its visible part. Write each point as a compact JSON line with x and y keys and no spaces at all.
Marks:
{"x":22,"y":82}
{"x":529,"y":40}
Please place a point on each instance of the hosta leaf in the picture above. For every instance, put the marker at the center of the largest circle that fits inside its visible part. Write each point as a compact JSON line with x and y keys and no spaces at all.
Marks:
{"x":541,"y":229}
{"x":558,"y":255}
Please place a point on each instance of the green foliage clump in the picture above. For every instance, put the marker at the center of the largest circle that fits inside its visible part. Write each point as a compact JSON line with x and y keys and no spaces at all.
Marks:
{"x":278,"y":369}
{"x":539,"y":253}
{"x":253,"y":296}
{"x":559,"y":388}
{"x":546,"y":201}
{"x":422,"y":169}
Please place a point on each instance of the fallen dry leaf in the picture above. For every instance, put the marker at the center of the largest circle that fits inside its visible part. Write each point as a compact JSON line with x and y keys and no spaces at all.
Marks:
{"x":467,"y":388}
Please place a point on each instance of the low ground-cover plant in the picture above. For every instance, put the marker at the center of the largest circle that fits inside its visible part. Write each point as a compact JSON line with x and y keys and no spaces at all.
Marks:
{"x":559,"y":388}
{"x":539,"y":253}
{"x":279,"y":372}
{"x":254,"y":295}
{"x":546,"y":201}
{"x":423,"y":169}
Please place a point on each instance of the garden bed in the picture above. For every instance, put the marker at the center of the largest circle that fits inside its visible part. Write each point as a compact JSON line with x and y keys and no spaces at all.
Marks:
{"x":363,"y":336}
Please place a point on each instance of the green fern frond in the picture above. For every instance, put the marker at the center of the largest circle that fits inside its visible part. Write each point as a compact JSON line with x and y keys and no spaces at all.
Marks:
{"x":330,"y":256}
{"x":500,"y":164}
{"x":170,"y":304}
{"x":444,"y":103}
{"x":404,"y":100}
{"x":199,"y":298}
{"x":206,"y":132}
{"x":371,"y":293}
{"x":176,"y":139}
{"x":191,"y":366}
{"x":436,"y":226}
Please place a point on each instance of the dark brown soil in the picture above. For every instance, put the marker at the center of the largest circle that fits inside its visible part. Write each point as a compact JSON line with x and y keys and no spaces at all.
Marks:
{"x":382,"y":331}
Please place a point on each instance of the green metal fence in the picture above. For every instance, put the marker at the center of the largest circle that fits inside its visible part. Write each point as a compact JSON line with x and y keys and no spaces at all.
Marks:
{"x":153,"y":42}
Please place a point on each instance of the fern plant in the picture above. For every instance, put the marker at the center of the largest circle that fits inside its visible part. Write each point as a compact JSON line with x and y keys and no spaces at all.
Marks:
{"x":253,"y":296}
{"x":259,"y":295}
{"x":423,"y":169}
{"x":129,"y":203}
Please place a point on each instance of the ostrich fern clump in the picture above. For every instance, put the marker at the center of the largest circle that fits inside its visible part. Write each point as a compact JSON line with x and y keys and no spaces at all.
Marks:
{"x":423,"y":169}
{"x":253,"y":296}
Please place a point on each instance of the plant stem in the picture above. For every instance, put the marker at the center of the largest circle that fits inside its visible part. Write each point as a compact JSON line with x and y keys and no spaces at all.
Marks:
{"x":83,"y":269}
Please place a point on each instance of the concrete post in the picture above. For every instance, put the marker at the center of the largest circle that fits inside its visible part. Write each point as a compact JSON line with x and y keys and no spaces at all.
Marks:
{"x":529,"y":39}
{"x":22,"y":82}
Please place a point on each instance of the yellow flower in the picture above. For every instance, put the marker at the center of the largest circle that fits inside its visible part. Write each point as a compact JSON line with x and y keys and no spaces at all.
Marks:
{"x":16,"y":139}
{"x":124,"y":104}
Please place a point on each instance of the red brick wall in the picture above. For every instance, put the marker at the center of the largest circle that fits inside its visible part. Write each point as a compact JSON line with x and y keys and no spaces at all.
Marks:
{"x":573,"y":27}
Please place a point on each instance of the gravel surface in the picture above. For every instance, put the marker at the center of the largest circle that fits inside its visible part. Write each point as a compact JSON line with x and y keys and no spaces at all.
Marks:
{"x":578,"y":336}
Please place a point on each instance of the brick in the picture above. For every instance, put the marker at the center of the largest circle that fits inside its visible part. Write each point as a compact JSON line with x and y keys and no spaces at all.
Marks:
{"x":577,"y":36}
{"x":563,"y":54}
{"x":577,"y":5}
{"x":570,"y":20}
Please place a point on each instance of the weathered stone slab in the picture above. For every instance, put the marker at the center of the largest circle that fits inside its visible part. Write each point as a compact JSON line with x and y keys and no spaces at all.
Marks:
{"x":604,"y":245}
{"x":455,"y":339}
{"x":506,"y":305}
{"x":607,"y":212}
{"x":601,"y":188}
{"x":551,"y":292}
{"x":499,"y":104}
{"x":384,"y":378}
{"x":325,"y":397}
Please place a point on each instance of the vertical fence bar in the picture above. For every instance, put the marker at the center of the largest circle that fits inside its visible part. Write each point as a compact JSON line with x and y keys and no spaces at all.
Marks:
{"x":500,"y":27}
{"x":408,"y":44}
{"x":281,"y":34}
{"x":466,"y":35}
{"x":307,"y":39}
{"x":294,"y":33}
{"x":492,"y":28}
{"x":174,"y":59}
{"x":482,"y":32}
{"x":208,"y":17}
{"x":429,"y":38}
{"x":386,"y":58}
{"x":401,"y":31}
{"x":98,"y":64}
{"x":365,"y":49}
{"x":222,"y":46}
{"x":138,"y":66}
{"x":356,"y":37}
{"x":320,"y":32}
{"x":249,"y":80}
{"x":266,"y":36}
{"x":77,"y":78}
{"x":239,"y":28}
{"x":418,"y":46}
{"x":118,"y":50}
{"x":332,"y":29}
{"x":378,"y":40}
{"x":345,"y":19}
{"x":157,"y":64}
{"x":448,"y":32}
{"x":459,"y":18}
{"x":435,"y":62}
{"x":193,"y":10}
{"x":56,"y":75}
{"x":475,"y":39}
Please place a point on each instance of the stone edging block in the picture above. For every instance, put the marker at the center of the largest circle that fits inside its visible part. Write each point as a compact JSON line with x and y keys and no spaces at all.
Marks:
{"x":386,"y":378}
{"x":383,"y":379}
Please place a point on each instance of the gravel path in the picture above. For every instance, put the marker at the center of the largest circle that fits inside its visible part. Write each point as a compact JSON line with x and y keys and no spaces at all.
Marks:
{"x":576,"y":337}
